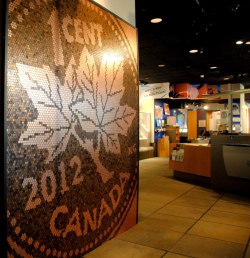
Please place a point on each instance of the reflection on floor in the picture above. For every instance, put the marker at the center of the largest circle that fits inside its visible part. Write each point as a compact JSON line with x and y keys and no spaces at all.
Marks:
{"x":178,"y":219}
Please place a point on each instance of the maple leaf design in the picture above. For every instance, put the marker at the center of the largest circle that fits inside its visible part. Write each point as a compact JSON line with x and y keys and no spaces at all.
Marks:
{"x":87,"y":96}
{"x":56,"y":121}
{"x":100,"y":108}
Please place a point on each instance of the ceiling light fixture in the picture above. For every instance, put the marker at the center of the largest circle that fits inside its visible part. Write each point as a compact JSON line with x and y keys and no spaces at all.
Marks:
{"x":226,"y":78}
{"x":161,"y":65}
{"x":156,"y":20}
{"x":213,"y":67}
{"x":239,"y":42}
{"x":202,"y":75}
{"x":192,"y":51}
{"x":247,"y":43}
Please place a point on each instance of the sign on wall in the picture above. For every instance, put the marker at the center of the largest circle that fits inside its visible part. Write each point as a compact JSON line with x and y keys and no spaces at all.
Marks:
{"x":156,"y":90}
{"x":72,"y":102}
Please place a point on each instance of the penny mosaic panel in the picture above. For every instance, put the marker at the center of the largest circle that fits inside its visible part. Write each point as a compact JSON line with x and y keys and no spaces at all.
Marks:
{"x":72,"y":127}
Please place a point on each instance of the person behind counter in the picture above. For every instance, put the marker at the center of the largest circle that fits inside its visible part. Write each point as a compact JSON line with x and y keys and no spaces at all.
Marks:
{"x":205,"y":134}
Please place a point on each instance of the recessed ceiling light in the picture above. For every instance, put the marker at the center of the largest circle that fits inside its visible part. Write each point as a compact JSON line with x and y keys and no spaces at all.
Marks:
{"x":192,"y":51}
{"x":226,"y":78}
{"x":202,"y":75}
{"x":239,"y":42}
{"x":161,"y":65}
{"x":247,"y":43}
{"x":156,"y":20}
{"x":213,"y":67}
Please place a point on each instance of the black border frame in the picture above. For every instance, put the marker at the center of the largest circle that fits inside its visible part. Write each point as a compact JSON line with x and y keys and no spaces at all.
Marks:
{"x":3,"y":174}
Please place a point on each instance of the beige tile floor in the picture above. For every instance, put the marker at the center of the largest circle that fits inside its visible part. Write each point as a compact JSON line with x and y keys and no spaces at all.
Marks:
{"x":178,"y":219}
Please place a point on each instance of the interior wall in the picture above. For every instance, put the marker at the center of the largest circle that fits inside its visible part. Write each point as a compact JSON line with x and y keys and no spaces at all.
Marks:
{"x":248,"y":120}
{"x":148,"y":108}
{"x":72,"y":127}
{"x":124,"y":9}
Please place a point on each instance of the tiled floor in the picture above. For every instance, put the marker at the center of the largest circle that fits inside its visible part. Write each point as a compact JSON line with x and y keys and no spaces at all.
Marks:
{"x":178,"y":219}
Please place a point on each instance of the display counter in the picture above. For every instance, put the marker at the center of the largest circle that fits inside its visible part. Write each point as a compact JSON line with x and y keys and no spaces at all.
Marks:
{"x":230,"y":159}
{"x":191,"y":161}
{"x":224,"y":165}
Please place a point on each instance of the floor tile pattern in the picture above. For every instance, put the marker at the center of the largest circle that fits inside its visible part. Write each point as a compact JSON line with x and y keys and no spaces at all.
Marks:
{"x":178,"y":220}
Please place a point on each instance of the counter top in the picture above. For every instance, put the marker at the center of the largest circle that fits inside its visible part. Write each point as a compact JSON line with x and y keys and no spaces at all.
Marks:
{"x":197,"y":144}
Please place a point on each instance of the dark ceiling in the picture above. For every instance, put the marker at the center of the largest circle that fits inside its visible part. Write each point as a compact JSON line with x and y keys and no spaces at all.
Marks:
{"x":211,"y":26}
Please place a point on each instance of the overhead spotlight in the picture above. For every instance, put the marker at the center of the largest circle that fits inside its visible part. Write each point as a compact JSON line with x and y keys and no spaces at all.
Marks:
{"x":202,"y":75}
{"x":239,"y":42}
{"x":226,"y":78}
{"x":156,"y":20}
{"x":192,"y":51}
{"x":234,"y":9}
{"x":161,"y":65}
{"x":247,"y":43}
{"x":213,"y":67}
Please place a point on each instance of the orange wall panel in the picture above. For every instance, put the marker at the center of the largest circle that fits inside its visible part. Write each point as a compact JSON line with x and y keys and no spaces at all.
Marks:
{"x":192,"y":124}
